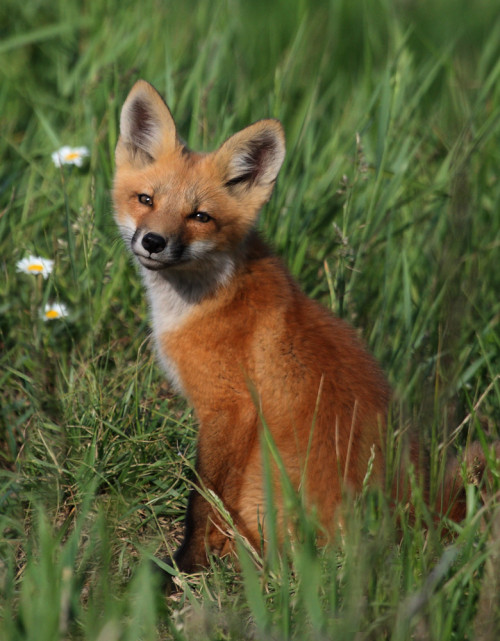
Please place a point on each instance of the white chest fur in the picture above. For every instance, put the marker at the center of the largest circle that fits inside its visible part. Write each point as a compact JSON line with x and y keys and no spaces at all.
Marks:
{"x":168,"y":310}
{"x":174,"y":294}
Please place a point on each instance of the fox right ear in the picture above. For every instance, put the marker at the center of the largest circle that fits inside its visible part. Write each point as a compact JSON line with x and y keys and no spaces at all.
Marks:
{"x":146,"y":126}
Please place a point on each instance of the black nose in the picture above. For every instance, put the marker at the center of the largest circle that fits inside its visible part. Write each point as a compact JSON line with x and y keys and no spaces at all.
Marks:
{"x":153,"y":243}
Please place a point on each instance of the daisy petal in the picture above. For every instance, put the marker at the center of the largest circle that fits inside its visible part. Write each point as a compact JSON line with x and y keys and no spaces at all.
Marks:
{"x":53,"y":311}
{"x":70,"y":156}
{"x":35,"y":265}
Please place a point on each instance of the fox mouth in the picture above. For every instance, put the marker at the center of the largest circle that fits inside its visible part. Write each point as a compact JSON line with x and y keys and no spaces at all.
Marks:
{"x":157,"y":256}
{"x":151,"y":263}
{"x":155,"y":265}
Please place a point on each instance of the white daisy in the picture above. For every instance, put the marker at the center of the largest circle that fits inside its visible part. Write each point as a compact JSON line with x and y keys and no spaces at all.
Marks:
{"x":53,"y":311}
{"x":35,"y":265}
{"x":70,"y":156}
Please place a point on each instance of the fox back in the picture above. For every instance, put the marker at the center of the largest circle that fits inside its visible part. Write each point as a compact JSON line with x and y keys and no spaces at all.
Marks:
{"x":233,"y":331}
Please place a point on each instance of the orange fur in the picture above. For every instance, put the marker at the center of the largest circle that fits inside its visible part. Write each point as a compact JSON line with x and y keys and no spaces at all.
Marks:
{"x":233,"y":330}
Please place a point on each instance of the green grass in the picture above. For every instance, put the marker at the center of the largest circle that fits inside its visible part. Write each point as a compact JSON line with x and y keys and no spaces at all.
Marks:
{"x":387,"y":210}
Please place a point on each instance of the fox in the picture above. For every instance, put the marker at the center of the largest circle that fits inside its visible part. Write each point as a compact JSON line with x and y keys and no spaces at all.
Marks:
{"x":235,"y":334}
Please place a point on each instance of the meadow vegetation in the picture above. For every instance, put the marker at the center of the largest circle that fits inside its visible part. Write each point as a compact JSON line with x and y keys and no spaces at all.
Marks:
{"x":387,"y":210}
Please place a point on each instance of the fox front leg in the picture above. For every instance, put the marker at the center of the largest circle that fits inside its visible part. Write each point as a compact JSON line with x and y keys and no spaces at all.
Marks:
{"x":192,"y":552}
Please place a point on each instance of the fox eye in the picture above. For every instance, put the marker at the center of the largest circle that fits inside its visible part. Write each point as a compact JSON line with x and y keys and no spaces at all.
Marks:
{"x":145,"y":199}
{"x":201,"y":216}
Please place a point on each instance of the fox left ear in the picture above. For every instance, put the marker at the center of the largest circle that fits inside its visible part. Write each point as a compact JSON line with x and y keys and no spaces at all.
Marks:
{"x":253,"y":156}
{"x":146,"y":126}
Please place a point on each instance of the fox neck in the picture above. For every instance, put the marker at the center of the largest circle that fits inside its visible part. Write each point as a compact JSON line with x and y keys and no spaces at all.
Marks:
{"x":192,"y":286}
{"x":174,"y":292}
{"x":177,"y":290}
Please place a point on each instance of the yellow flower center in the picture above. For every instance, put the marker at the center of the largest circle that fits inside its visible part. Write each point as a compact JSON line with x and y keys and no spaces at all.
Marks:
{"x":73,"y":155}
{"x":51,"y":313}
{"x":35,"y":268}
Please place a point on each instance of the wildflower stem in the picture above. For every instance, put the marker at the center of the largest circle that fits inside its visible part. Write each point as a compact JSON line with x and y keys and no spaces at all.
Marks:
{"x":35,"y":311}
{"x":69,"y":230}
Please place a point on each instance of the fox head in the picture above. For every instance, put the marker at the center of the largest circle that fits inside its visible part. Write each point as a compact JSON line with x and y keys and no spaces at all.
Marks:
{"x":178,"y":209}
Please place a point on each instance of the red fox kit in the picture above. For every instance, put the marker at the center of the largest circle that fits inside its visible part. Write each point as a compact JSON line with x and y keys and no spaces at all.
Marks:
{"x":232,"y":329}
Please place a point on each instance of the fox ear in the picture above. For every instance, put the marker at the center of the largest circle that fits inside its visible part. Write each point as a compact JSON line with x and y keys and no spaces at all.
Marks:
{"x":146,"y":125}
{"x":253,"y":157}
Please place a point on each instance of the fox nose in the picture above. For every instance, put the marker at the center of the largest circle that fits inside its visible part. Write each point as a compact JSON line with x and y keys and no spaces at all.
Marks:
{"x":153,"y":243}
